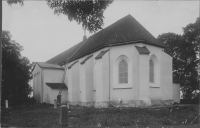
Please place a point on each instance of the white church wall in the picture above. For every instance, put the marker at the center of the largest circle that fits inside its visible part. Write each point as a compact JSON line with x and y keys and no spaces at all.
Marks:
{"x":69,"y":84}
{"x":176,"y":92}
{"x":166,"y":77}
{"x":126,"y":92}
{"x":96,"y":79}
{"x":98,"y":82}
{"x":37,"y":87}
{"x":161,"y":90}
{"x":82,"y":81}
{"x":86,"y":81}
{"x":75,"y":83}
{"x":106,"y":77}
{"x":155,"y":93}
{"x":53,"y":76}
{"x":157,"y":52}
{"x":144,"y":94}
{"x":89,"y":73}
{"x":90,"y":82}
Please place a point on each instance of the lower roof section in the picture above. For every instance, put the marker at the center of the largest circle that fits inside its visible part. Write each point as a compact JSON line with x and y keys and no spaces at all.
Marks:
{"x":57,"y":85}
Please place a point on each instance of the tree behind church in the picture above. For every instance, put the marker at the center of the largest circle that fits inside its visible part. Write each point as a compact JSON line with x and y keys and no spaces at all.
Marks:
{"x":185,"y":52}
{"x":15,"y":72}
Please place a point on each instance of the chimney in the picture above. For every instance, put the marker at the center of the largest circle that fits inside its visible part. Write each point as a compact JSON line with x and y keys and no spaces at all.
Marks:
{"x":84,"y":37}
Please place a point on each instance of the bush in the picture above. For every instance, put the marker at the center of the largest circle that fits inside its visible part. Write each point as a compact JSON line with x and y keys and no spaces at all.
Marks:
{"x":189,"y":101}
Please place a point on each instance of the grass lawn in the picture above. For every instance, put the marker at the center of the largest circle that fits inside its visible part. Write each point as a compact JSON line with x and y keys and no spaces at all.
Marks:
{"x":43,"y":115}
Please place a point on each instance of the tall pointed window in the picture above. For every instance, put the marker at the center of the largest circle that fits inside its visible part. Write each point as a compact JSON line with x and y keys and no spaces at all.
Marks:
{"x":123,"y":71}
{"x":151,"y":71}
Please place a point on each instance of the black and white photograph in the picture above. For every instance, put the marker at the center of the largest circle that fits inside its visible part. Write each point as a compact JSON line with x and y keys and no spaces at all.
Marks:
{"x":100,"y":63}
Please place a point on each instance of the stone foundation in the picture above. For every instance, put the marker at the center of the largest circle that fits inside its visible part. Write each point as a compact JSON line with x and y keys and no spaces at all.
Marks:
{"x":74,"y":103}
{"x":128,"y":103}
{"x":87,"y":104}
{"x":158,"y":102}
{"x":131,"y":103}
{"x":102,"y":104}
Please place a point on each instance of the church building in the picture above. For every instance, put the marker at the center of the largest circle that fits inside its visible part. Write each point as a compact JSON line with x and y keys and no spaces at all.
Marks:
{"x":122,"y":62}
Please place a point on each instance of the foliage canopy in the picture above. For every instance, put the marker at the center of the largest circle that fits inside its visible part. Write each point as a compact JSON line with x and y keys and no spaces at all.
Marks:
{"x":186,"y":57}
{"x":10,"y":2}
{"x":15,"y":71}
{"x":87,"y":12}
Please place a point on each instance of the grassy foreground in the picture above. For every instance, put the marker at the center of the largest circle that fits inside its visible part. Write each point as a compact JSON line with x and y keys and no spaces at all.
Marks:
{"x":43,"y":115}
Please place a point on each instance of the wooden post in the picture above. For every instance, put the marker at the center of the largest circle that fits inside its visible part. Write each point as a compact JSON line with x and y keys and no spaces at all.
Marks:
{"x":0,"y":54}
{"x":59,"y":99}
{"x":55,"y":103}
{"x":6,"y":103}
{"x":63,"y":116}
{"x":120,"y":100}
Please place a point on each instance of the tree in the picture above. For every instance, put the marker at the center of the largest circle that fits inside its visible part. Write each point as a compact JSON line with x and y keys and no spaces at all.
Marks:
{"x":185,"y":52}
{"x":16,"y":71}
{"x":10,"y":2}
{"x":87,"y":12}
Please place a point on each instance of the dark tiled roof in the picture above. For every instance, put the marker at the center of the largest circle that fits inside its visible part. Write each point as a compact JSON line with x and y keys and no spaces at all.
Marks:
{"x":86,"y":59}
{"x":123,"y":31}
{"x":72,"y":64}
{"x":100,"y":54}
{"x":62,"y":57}
{"x":46,"y":65}
{"x":57,"y":85}
{"x":142,"y":50}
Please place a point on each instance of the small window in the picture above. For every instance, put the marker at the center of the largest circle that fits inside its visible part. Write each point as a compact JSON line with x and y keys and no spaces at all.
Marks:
{"x":123,"y":71}
{"x":151,"y":71}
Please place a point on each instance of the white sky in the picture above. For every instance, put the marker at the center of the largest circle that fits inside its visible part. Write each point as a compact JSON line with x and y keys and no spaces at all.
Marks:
{"x":44,"y":35}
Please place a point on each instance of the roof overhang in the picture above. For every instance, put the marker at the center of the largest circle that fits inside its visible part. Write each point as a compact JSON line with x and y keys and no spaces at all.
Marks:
{"x":45,"y":67}
{"x":117,"y":44}
{"x":57,"y":86}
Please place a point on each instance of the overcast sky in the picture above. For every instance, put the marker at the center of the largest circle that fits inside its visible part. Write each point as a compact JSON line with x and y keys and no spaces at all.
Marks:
{"x":44,"y":35}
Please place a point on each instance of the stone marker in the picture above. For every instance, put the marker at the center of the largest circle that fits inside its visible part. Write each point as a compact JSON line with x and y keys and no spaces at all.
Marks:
{"x":6,"y":103}
{"x":63,"y":116}
{"x":120,"y":100}
{"x":55,"y":103}
{"x":59,"y":99}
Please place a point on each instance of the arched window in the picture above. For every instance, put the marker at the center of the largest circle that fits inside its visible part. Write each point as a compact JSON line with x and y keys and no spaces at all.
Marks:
{"x":123,"y":71}
{"x":151,"y":71}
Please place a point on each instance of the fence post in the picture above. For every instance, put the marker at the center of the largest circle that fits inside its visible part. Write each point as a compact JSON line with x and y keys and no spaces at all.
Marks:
{"x":120,"y":100}
{"x":59,"y":99}
{"x":63,"y":116}
{"x":55,"y":103}
{"x":6,"y":103}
